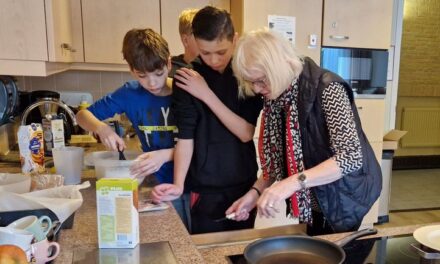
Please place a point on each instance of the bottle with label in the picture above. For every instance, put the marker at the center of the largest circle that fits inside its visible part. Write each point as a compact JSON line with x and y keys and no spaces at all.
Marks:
{"x":83,"y":106}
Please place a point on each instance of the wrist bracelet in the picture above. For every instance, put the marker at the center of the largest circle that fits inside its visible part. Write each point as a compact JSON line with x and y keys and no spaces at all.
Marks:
{"x":255,"y":188}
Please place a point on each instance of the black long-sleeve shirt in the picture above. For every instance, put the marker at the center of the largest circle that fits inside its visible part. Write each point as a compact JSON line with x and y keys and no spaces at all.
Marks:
{"x":220,"y":160}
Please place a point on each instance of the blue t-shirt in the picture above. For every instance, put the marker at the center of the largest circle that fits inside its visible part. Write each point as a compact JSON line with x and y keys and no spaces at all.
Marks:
{"x":150,"y":116}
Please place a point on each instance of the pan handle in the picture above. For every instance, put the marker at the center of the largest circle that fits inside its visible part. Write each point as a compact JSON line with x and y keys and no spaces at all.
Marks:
{"x":424,"y":254}
{"x":344,"y":241}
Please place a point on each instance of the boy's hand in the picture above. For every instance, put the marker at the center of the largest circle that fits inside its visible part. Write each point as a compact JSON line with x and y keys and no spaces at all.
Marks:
{"x":166,"y":192}
{"x":243,"y":206}
{"x":109,"y":138}
{"x":146,"y":164}
{"x":193,"y":83}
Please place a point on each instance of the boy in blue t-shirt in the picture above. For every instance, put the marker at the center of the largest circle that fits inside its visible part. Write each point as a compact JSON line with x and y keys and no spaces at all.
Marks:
{"x":146,"y":102}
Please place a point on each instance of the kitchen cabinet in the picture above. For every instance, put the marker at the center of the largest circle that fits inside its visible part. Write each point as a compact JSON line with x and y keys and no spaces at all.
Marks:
{"x":169,"y":20}
{"x":372,"y":115}
{"x":33,"y":34}
{"x":105,"y":23}
{"x":357,"y":23}
{"x":253,"y":14}
{"x":23,"y":30}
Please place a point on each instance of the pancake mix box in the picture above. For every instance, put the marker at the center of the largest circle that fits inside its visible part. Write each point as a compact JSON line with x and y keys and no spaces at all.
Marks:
{"x":31,"y":145}
{"x":117,"y":213}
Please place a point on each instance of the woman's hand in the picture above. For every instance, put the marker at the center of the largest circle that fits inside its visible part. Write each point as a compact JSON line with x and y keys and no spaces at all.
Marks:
{"x":109,"y":138}
{"x":243,"y":206}
{"x":193,"y":83}
{"x":166,"y":192}
{"x":273,"y":196}
{"x":147,"y":163}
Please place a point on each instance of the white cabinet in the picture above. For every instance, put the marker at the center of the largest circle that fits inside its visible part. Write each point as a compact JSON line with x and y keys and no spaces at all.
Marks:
{"x":253,"y":14}
{"x":23,"y":30}
{"x":372,"y":115}
{"x":105,"y":23}
{"x":357,"y":23}
{"x":32,"y":34}
{"x":170,"y":11}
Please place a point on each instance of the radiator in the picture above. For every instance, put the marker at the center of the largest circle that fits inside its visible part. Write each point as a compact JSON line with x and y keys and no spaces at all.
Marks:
{"x":423,"y":126}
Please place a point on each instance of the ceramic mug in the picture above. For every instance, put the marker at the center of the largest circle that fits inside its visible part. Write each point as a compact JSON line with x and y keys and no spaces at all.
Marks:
{"x":34,"y":225}
{"x":44,"y":251}
{"x":17,"y":237}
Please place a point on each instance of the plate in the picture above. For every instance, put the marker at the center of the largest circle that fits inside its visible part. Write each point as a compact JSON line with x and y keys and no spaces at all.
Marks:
{"x":428,"y":236}
{"x":148,"y":206}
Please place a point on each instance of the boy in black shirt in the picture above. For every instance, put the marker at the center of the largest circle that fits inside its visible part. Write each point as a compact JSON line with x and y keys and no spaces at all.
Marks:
{"x":215,"y":152}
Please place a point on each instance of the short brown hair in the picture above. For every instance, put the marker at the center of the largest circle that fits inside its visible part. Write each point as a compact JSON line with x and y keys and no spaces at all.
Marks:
{"x":185,"y":21}
{"x":145,"y":50}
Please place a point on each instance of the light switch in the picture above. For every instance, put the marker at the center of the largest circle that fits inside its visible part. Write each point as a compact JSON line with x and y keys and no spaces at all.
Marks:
{"x":313,"y":39}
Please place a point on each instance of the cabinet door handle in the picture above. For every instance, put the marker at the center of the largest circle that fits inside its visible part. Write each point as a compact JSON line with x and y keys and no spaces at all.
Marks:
{"x":68,"y":47}
{"x":359,"y":107}
{"x":339,"y":37}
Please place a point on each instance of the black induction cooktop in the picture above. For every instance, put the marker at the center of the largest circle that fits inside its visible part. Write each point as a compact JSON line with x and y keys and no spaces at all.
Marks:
{"x":384,"y":250}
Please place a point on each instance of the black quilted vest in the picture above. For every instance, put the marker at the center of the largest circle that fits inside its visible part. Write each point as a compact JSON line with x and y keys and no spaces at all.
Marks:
{"x":346,"y":201}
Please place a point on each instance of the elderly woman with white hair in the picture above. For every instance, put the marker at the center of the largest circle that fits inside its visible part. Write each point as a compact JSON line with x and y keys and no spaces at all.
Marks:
{"x":313,"y":152}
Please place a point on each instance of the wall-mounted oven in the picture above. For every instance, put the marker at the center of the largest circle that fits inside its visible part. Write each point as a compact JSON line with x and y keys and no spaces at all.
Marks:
{"x":364,"y":69}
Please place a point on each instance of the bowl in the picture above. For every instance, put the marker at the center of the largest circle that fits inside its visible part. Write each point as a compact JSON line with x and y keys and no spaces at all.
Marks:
{"x":15,"y":182}
{"x":108,"y":165}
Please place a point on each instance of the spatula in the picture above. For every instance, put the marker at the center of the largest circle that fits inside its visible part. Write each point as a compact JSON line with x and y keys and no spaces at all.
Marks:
{"x":118,"y":132}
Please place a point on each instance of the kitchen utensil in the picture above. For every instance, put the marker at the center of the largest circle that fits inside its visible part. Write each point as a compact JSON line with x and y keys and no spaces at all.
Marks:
{"x":428,"y":236}
{"x":148,"y":206}
{"x":300,"y":249}
{"x":8,"y":99}
{"x":118,"y":132}
{"x":108,"y":165}
{"x":227,"y":217}
{"x":45,"y":251}
{"x":121,"y":155}
{"x":17,"y":237}
{"x":69,"y":162}
{"x":37,"y":226}
{"x":48,"y":103}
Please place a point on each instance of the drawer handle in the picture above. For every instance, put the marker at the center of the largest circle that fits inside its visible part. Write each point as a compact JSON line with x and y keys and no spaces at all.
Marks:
{"x":339,"y":37}
{"x":68,"y":47}
{"x":360,"y":107}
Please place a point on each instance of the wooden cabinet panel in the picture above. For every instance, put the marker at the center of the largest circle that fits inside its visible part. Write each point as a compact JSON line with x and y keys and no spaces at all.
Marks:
{"x":253,"y":14}
{"x":23,"y":30}
{"x":171,"y":10}
{"x":357,"y":23}
{"x":59,"y":30}
{"x":105,"y":23}
{"x":372,"y":114}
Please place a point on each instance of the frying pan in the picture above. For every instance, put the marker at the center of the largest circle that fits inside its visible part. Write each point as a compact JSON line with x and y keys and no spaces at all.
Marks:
{"x":300,"y":249}
{"x":8,"y":98}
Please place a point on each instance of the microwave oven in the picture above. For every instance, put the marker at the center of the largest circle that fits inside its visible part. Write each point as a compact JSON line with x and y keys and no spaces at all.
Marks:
{"x":364,"y":69}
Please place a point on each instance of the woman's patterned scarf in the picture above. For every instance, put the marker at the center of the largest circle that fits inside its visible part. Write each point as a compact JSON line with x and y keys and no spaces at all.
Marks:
{"x":279,"y":113}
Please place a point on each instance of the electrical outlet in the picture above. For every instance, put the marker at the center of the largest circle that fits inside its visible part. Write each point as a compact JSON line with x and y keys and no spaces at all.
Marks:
{"x":313,"y":40}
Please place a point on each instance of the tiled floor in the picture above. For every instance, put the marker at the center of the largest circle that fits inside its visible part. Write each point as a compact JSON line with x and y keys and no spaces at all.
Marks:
{"x":415,"y":189}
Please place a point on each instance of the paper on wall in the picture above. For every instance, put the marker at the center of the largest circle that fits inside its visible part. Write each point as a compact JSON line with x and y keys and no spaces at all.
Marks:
{"x":285,"y":25}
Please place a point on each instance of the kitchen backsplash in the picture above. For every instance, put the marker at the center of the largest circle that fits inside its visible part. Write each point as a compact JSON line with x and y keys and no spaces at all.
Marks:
{"x":98,"y":83}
